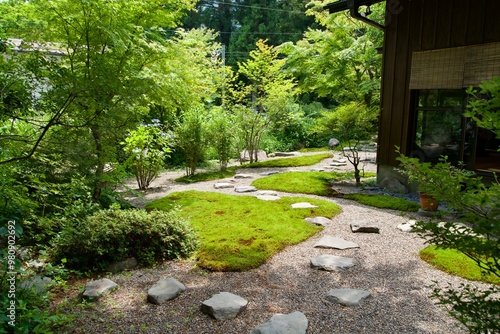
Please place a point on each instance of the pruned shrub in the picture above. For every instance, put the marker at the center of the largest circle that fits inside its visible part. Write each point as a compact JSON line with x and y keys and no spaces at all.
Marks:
{"x":114,"y":235}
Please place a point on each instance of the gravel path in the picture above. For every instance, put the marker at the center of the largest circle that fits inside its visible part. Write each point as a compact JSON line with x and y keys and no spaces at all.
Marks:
{"x":387,"y":265}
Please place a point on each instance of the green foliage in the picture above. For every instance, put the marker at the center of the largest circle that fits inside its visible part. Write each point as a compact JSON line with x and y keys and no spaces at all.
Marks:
{"x":239,"y":233}
{"x":190,"y":136}
{"x":483,"y":108}
{"x":114,"y":235}
{"x":456,"y":263}
{"x":220,"y":135}
{"x":384,"y":202}
{"x":307,"y":160}
{"x":147,"y":147}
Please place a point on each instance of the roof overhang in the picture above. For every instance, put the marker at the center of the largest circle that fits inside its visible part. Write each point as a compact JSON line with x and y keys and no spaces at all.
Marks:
{"x":353,"y":7}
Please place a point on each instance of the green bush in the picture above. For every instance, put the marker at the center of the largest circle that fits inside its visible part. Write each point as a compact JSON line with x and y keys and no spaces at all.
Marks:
{"x":114,"y":235}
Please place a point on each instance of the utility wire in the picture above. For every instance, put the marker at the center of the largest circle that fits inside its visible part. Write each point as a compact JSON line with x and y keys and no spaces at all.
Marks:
{"x":253,"y":7}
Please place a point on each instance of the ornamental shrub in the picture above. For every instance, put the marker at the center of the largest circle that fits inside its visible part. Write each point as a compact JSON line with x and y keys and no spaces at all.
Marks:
{"x":114,"y":235}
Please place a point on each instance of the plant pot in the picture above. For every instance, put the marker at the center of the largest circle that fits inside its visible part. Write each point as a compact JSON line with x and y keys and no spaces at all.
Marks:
{"x":428,"y":203}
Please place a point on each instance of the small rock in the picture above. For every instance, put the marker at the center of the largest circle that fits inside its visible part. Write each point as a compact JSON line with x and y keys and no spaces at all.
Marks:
{"x":347,"y":297}
{"x":334,"y":242}
{"x":224,"y":306}
{"x":96,"y":289}
{"x":407,"y":226}
{"x":223,"y":185}
{"x":331,"y":262}
{"x":292,"y":323}
{"x":37,"y":283}
{"x":323,"y":221}
{"x":245,"y":189}
{"x":165,"y":289}
{"x":364,"y":227}
{"x":122,"y":265}
{"x":303,"y":205}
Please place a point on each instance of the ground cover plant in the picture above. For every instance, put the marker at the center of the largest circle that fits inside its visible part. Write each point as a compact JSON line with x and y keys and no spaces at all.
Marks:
{"x":237,"y":233}
{"x":456,"y":263}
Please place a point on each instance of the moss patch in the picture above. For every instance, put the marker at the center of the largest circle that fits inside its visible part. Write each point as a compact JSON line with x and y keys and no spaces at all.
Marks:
{"x":307,"y":160}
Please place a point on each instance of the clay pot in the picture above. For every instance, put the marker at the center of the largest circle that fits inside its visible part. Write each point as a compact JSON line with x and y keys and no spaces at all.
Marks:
{"x":428,"y":203}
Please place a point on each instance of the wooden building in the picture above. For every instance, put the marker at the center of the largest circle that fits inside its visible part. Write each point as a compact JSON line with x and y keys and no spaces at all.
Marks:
{"x":433,"y":50}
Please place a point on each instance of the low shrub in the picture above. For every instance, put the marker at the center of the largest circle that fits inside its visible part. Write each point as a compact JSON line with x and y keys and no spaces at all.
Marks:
{"x":114,"y":235}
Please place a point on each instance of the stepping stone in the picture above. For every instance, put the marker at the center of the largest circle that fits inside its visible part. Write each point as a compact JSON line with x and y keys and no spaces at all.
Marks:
{"x":317,"y":169}
{"x":292,"y":323}
{"x":347,"y":297}
{"x":268,"y":197}
{"x":286,"y":154}
{"x":123,"y":265}
{"x":269,"y":173}
{"x":331,"y":262}
{"x":323,"y":221}
{"x":338,"y":164}
{"x":267,"y":193}
{"x":303,"y":205}
{"x":224,"y":306}
{"x":96,"y":289}
{"x":165,"y":289}
{"x":364,"y":227}
{"x":245,"y":189}
{"x":223,"y":185}
{"x":37,"y":283}
{"x":407,"y":226}
{"x":339,"y":160}
{"x":334,"y":242}
{"x":243,"y":176}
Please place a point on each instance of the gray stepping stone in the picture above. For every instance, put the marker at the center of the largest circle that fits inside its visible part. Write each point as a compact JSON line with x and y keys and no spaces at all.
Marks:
{"x":347,"y":297}
{"x":267,"y":193}
{"x":364,"y":227}
{"x":331,"y":262}
{"x":245,"y":189}
{"x":323,"y":221}
{"x":317,"y":169}
{"x":37,"y":283}
{"x":292,"y":323}
{"x":339,"y":160}
{"x":269,"y":173}
{"x":123,"y":265}
{"x":96,"y":289}
{"x":338,"y":164}
{"x":224,"y":306}
{"x":243,"y":176}
{"x":223,"y":185}
{"x":333,"y":242}
{"x":407,"y":226}
{"x":268,"y":197}
{"x":303,"y":205}
{"x":165,"y":289}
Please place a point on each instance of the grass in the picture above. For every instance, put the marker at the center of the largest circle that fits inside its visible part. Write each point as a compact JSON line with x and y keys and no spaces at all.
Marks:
{"x":306,"y":160}
{"x":314,"y":149}
{"x":384,"y":202}
{"x":238,"y":233}
{"x":456,"y":263}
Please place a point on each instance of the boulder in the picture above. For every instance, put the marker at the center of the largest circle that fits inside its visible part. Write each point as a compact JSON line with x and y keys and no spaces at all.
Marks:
{"x":292,"y":323}
{"x":331,"y":262}
{"x":323,"y":221}
{"x":347,"y":297}
{"x":165,"y":289}
{"x":333,"y":142}
{"x":364,"y":227}
{"x":38,"y":283}
{"x":96,"y":289}
{"x":328,"y":241}
{"x":224,"y":305}
{"x":393,"y":185}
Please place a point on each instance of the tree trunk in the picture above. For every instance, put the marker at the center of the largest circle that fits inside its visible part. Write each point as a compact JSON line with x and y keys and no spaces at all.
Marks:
{"x":99,"y":171}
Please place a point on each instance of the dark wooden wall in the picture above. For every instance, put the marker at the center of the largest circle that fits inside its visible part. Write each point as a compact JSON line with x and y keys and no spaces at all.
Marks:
{"x":420,"y":25}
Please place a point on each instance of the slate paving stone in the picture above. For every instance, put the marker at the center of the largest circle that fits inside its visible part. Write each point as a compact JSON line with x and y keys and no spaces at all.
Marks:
{"x":332,"y":262}
{"x":347,"y":297}
{"x":328,"y":241}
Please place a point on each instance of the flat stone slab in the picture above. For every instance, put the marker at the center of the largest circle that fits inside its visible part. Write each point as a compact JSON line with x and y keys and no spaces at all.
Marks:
{"x":267,"y":193}
{"x":96,"y":289}
{"x":323,"y":221}
{"x":303,"y":205}
{"x":338,"y":164}
{"x":347,"y":297}
{"x":339,"y":160}
{"x":243,"y":176}
{"x":292,"y":323}
{"x":164,"y":290}
{"x":364,"y":227}
{"x":331,"y":262}
{"x":245,"y":189}
{"x":224,"y":305}
{"x":317,"y":169}
{"x":407,"y":226}
{"x":223,"y":185}
{"x":269,"y":173}
{"x":268,"y":197}
{"x":328,"y":241}
{"x":37,"y":283}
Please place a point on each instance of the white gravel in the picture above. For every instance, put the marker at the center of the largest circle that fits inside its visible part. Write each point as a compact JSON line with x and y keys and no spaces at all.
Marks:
{"x":388,"y":266}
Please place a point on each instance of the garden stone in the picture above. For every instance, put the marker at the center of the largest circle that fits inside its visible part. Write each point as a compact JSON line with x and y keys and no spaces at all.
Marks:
{"x":407,"y":226}
{"x":317,"y":169}
{"x":268,"y":197}
{"x":272,"y":172}
{"x":267,"y":193}
{"x":338,"y":164}
{"x":331,"y":262}
{"x":333,"y":242}
{"x":165,"y":289}
{"x":122,"y":265}
{"x":393,"y":185}
{"x":96,"y":289}
{"x":303,"y":205}
{"x":243,"y":176}
{"x":286,"y":154}
{"x":333,"y":142}
{"x":341,"y":160}
{"x":323,"y":221}
{"x":37,"y":283}
{"x":224,"y":306}
{"x":223,"y":185}
{"x":292,"y":323}
{"x":364,"y":227}
{"x":347,"y":297}
{"x":245,"y":189}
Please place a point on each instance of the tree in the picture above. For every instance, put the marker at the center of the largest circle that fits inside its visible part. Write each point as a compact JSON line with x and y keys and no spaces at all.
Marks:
{"x":190,"y":136}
